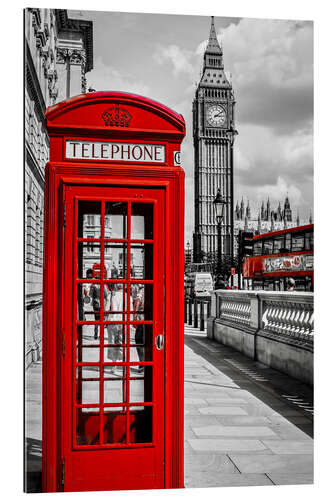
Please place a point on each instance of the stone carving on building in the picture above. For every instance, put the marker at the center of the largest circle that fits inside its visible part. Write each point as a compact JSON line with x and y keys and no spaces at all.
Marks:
{"x":47,"y":45}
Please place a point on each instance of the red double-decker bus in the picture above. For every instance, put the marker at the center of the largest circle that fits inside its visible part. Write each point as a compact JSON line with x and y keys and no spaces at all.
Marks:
{"x":278,"y":256}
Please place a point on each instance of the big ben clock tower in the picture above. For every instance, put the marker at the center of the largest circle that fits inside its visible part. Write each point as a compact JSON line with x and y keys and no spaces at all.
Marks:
{"x":213,"y":135}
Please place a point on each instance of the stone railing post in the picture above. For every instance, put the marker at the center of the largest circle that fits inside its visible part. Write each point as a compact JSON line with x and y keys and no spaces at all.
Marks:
{"x":255,"y":316}
{"x":195,"y":322}
{"x":190,"y":311}
{"x":185,"y":309}
{"x":212,"y":311}
{"x":211,"y":315}
{"x":202,"y":317}
{"x":209,"y":307}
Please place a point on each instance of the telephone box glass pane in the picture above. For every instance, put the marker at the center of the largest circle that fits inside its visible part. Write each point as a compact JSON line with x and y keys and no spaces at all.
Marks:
{"x":115,"y":260}
{"x":142,"y":261}
{"x":114,"y":384}
{"x":89,"y":301}
{"x":142,"y":221}
{"x":114,"y":354}
{"x":141,"y":424}
{"x":87,"y":426}
{"x":89,"y":219}
{"x":141,"y":384}
{"x":115,"y":223}
{"x":87,"y":345}
{"x":114,"y":425}
{"x":117,"y":303}
{"x":114,"y":337}
{"x":142,"y":299}
{"x":89,"y":260}
{"x":143,"y":339}
{"x":88,"y":382}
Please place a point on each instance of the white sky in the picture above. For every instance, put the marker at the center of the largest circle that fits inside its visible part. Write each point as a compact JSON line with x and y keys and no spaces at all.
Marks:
{"x":271,"y":63}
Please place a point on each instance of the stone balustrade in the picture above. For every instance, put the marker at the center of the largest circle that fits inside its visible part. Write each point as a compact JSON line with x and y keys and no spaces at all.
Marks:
{"x":288,"y":318}
{"x":276,"y":328}
{"x":236,"y":309}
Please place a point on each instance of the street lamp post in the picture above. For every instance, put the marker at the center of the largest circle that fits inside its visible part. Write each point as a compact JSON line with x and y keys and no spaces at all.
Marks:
{"x":188,"y":253}
{"x":218,"y":208}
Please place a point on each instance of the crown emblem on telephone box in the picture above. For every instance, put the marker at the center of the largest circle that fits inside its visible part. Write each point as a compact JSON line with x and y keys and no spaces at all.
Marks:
{"x":116,"y":117}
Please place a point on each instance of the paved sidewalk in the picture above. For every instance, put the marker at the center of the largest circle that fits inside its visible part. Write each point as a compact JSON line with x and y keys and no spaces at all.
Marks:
{"x":245,"y":424}
{"x":33,"y":427}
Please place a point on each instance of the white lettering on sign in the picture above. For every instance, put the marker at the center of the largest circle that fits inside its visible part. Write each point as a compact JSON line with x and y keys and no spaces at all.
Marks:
{"x":303,"y":262}
{"x":176,"y":158}
{"x":115,"y":151}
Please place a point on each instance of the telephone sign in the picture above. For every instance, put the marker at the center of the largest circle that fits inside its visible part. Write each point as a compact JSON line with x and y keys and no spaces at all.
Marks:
{"x":113,"y":340}
{"x":115,"y":151}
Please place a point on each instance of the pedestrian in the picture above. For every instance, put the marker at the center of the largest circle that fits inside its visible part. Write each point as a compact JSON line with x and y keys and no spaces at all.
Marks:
{"x":86,"y":299}
{"x":291,"y":284}
{"x":115,"y":335}
{"x":139,"y":330}
{"x":95,"y":294}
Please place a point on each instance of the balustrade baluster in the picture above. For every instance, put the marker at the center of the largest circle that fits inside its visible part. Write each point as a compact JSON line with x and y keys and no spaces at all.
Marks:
{"x":305,"y":331}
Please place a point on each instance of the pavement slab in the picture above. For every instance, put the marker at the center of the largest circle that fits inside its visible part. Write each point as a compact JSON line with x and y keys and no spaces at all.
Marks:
{"x":287,"y":447}
{"x":194,"y":401}
{"x":212,"y":479}
{"x":209,"y":463}
{"x":222,"y":410}
{"x":242,"y":420}
{"x":286,"y":464}
{"x":233,"y":431}
{"x":226,"y":445}
{"x":289,"y":479}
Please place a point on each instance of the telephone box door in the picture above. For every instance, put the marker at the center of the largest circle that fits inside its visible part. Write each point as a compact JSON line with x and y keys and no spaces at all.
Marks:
{"x":113,"y":342}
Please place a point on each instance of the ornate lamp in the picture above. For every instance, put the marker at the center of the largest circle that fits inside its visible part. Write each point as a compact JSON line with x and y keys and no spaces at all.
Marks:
{"x":218,"y":209}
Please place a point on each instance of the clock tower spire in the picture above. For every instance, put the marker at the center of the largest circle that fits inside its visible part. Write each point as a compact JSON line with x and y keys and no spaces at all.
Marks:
{"x":213,"y":56}
{"x":213,"y":139}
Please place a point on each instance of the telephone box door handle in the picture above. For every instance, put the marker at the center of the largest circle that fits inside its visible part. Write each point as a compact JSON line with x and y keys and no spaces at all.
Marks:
{"x":159,"y":341}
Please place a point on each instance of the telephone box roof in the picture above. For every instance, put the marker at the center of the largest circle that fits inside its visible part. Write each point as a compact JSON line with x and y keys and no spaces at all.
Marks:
{"x":55,"y":114}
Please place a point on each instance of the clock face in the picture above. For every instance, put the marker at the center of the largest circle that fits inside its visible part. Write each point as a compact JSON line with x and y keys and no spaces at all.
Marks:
{"x":216,"y":115}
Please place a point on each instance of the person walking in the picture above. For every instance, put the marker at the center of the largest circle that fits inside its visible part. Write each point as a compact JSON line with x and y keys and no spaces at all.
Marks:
{"x":95,"y":294}
{"x":139,"y":330}
{"x":115,"y":331}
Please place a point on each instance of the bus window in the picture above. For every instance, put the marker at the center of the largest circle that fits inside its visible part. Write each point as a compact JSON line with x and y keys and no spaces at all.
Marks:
{"x":297,"y":242}
{"x":288,"y":242}
{"x":257,"y":285}
{"x":268,"y":247}
{"x":257,"y":248}
{"x":309,"y":241}
{"x":308,"y":284}
{"x":278,"y":244}
{"x":269,"y":285}
{"x":300,"y":285}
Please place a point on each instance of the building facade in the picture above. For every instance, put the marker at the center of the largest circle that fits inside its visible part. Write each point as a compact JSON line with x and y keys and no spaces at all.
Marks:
{"x":213,"y":136}
{"x":265,"y":219}
{"x":58,"y":53}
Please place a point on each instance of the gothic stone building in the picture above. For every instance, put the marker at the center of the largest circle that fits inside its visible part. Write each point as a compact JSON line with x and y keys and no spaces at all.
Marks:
{"x":213,"y":136}
{"x":58,"y":54}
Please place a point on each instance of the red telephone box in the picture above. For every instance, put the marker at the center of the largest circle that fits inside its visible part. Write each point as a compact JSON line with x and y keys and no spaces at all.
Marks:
{"x":113,"y":341}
